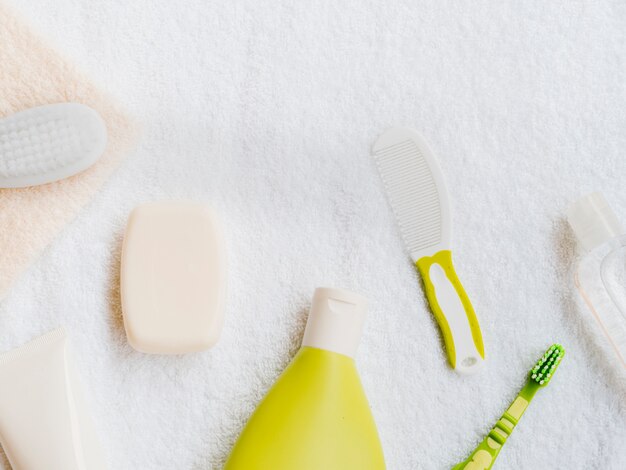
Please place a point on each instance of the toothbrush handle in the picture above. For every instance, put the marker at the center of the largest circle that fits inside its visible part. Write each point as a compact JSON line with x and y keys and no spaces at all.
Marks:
{"x":485,"y":454}
{"x":453,"y":311}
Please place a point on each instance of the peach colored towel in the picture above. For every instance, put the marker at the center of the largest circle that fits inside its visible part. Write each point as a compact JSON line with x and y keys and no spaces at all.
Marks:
{"x":31,"y":74}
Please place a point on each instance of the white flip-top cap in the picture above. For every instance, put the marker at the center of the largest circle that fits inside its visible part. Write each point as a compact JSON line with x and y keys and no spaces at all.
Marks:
{"x":593,"y":221}
{"x":335,"y":321}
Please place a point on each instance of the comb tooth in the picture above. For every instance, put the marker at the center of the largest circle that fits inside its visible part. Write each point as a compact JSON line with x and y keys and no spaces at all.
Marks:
{"x":395,"y":148}
{"x":402,"y":189}
{"x":400,"y":170}
{"x":415,"y":228}
{"x":400,"y":158}
{"x":403,"y":160}
{"x":408,"y":182}
{"x":404,"y":176}
{"x":418,"y":231}
{"x":425,"y":222}
{"x":430,"y":208}
{"x":415,"y":192}
{"x":412,"y":193}
{"x":422,"y":234}
{"x":423,"y":242}
{"x":391,"y":154}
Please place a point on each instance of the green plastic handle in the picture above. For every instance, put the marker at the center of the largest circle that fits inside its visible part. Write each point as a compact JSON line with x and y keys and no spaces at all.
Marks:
{"x":443,"y":258}
{"x":485,"y":454}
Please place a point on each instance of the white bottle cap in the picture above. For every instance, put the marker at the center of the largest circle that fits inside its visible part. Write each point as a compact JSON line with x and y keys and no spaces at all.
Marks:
{"x":335,"y":321}
{"x":593,"y":221}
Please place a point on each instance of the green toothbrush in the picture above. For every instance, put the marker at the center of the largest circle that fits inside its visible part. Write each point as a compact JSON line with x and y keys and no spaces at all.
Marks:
{"x":485,"y":454}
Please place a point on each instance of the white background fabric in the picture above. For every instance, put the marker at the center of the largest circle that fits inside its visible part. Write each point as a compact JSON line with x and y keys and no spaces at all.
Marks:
{"x":267,"y":110}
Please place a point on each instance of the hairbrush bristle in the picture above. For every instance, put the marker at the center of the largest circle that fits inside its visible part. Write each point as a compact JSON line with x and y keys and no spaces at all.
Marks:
{"x":546,"y":366}
{"x":48,"y":143}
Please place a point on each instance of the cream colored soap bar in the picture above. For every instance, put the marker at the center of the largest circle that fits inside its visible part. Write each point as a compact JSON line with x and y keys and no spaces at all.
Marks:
{"x":172,"y":278}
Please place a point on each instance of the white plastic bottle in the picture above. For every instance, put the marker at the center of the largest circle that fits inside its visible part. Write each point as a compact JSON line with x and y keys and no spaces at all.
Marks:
{"x":601,"y":272}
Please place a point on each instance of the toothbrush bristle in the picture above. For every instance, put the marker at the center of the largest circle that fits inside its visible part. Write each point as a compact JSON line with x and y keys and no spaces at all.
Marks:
{"x":544,"y":370}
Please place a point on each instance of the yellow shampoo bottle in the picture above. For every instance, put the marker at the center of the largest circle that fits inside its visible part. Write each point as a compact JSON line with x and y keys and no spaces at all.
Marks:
{"x":316,"y":416}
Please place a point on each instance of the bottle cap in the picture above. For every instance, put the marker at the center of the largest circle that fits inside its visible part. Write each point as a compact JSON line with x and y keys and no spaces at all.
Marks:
{"x":335,"y":321}
{"x":593,"y":221}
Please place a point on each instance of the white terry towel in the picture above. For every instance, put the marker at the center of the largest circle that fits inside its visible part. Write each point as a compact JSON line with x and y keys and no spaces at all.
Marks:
{"x":267,"y":110}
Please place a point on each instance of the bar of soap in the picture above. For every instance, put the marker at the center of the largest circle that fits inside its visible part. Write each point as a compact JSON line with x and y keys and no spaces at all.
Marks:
{"x":173,"y":278}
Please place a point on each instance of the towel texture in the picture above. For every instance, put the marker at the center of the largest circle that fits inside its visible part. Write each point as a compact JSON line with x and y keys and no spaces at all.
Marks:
{"x":31,"y":75}
{"x":268,"y":111}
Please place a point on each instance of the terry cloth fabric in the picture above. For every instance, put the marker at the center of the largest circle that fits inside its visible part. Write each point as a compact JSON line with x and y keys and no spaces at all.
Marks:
{"x":32,"y":74}
{"x":267,"y":111}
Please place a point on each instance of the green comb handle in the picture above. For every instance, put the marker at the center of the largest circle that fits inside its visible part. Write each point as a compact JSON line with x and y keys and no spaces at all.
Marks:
{"x":453,"y":311}
{"x":485,"y":454}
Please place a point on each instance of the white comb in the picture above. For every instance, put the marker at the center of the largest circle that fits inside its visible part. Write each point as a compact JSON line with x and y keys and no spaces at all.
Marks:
{"x":48,"y":143}
{"x":416,"y":191}
{"x":418,"y":197}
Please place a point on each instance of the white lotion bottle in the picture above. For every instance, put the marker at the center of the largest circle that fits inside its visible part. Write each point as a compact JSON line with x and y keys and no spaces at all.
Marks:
{"x":44,"y":421}
{"x":601,"y":272}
